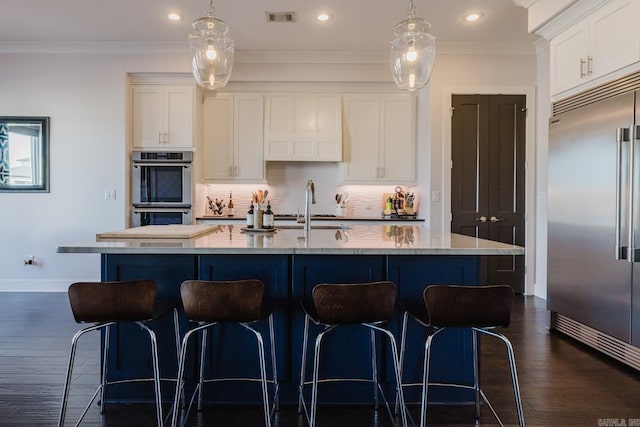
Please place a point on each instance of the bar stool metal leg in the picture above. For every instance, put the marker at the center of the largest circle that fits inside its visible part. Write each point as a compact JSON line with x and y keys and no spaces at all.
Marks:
{"x":105,"y":367}
{"x":156,"y":370}
{"x":305,"y":336}
{"x":316,"y":369}
{"x":263,"y":374}
{"x":203,"y":329}
{"x":514,"y":373}
{"x":203,"y":352}
{"x":103,"y":381}
{"x":176,"y":330}
{"x":425,"y":377}
{"x":374,"y":369}
{"x":180,"y":381}
{"x":403,"y":344}
{"x":67,"y":382}
{"x":476,"y":372}
{"x":274,"y":369}
{"x":396,"y":369}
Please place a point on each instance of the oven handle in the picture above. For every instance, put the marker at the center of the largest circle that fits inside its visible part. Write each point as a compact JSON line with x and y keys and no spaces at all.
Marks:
{"x":157,"y":210}
{"x":139,"y":164}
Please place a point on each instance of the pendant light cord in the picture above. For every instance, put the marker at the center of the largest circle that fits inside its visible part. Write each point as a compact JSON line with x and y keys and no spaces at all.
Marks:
{"x":411,"y":13}
{"x":211,"y":10}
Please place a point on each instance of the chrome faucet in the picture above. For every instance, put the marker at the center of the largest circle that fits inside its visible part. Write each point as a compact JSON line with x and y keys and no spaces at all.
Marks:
{"x":310,"y":190}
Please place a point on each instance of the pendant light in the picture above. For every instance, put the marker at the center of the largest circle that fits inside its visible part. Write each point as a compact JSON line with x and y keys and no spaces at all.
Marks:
{"x":211,"y":51}
{"x":413,"y":52}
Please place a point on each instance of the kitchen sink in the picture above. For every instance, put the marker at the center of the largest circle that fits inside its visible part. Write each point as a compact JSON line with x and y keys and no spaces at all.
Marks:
{"x":314,"y":227}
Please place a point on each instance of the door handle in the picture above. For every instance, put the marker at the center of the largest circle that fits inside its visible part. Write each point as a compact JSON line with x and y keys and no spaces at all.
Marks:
{"x":482,"y":219}
{"x":583,"y":74}
{"x":495,"y":219}
{"x":633,"y":139}
{"x":622,"y":136}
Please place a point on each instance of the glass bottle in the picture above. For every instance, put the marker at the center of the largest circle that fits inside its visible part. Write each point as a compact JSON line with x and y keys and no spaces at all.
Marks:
{"x":250,"y":216}
{"x":230,"y":205}
{"x":267,"y":218}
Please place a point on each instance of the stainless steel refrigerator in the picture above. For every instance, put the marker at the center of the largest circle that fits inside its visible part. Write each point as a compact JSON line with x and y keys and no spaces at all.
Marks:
{"x":594,"y":218}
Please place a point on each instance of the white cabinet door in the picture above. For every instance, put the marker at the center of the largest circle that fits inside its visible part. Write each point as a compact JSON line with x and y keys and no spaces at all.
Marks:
{"x":303,"y":127}
{"x":569,"y":52}
{"x":614,"y":37}
{"x":163,"y":116}
{"x":248,"y":137}
{"x":361,"y":138}
{"x":233,"y":143}
{"x":180,"y":117}
{"x":605,"y":41}
{"x":379,"y":138}
{"x":147,"y":116}
{"x":217,"y":138}
{"x":397,"y":128}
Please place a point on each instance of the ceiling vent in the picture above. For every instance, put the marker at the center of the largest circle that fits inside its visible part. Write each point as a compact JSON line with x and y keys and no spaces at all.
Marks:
{"x":281,"y":16}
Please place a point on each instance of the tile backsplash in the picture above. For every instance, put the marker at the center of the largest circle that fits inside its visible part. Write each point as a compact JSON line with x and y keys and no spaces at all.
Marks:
{"x":286,"y":182}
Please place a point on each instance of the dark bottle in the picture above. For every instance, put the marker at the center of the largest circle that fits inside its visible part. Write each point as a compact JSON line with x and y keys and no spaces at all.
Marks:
{"x":250,"y":216}
{"x":267,"y":218}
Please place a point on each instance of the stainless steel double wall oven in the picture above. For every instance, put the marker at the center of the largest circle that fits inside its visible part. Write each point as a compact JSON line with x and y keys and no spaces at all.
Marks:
{"x":161,"y":187}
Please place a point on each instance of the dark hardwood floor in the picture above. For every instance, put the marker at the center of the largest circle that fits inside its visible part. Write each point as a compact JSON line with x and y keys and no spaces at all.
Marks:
{"x":563,"y":383}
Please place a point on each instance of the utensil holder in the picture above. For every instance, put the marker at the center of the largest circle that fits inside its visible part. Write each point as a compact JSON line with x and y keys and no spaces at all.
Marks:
{"x":257,"y":218}
{"x":341,"y":211}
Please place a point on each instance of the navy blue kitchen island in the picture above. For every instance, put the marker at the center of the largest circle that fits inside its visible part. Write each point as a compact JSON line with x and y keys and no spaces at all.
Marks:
{"x":291,"y":262}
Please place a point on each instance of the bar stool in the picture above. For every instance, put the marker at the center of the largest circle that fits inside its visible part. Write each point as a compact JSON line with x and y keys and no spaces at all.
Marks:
{"x":480,"y":308}
{"x":104,"y":304}
{"x":208,"y":303}
{"x":367,"y":304}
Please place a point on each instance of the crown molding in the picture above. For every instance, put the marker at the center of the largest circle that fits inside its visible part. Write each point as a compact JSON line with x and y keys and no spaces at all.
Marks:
{"x":524,"y":3}
{"x":569,"y":16}
{"x":87,"y":47}
{"x":305,"y":57}
{"x":490,"y":48}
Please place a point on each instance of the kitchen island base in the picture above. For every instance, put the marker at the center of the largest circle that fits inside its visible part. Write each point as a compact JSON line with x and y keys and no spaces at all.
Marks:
{"x":290,"y":278}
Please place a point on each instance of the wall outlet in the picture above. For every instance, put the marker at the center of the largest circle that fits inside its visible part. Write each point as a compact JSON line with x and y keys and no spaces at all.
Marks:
{"x":109,"y":194}
{"x":29,"y":260}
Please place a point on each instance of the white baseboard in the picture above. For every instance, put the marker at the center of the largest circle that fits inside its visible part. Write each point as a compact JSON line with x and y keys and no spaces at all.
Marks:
{"x":17,"y":285}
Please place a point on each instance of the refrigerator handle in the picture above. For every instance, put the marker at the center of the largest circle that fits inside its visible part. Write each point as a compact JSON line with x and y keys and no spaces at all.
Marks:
{"x":620,"y":251}
{"x":622,"y":136}
{"x":627,"y":137}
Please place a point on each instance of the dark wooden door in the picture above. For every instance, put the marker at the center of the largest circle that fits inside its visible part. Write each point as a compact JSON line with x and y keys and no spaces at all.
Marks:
{"x":487,"y":177}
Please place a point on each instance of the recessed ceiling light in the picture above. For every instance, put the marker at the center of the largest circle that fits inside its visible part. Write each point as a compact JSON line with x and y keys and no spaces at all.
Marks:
{"x":324,"y":16}
{"x":174,"y":16}
{"x":473,"y":17}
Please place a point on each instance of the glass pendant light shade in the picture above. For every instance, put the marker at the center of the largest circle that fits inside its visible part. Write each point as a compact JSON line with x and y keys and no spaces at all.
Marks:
{"x":413,"y":53}
{"x":211,"y":52}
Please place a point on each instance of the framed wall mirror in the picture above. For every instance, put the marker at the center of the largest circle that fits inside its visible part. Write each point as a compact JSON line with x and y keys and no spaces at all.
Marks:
{"x":24,"y":154}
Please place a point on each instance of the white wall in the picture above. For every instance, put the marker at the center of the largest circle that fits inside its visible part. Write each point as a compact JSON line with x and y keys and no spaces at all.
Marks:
{"x":542,"y":150}
{"x":86,"y":94}
{"x":85,"y":98}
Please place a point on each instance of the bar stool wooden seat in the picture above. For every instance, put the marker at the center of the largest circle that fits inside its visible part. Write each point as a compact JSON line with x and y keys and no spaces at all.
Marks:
{"x":480,"y":308}
{"x":104,"y":304}
{"x":333,"y":305}
{"x":209,"y":303}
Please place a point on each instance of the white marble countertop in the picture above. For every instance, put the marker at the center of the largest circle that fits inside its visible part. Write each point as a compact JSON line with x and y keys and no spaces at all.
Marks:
{"x":352,"y":240}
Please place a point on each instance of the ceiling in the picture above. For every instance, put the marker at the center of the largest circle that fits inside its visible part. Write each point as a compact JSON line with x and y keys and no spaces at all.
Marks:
{"x":357,"y":26}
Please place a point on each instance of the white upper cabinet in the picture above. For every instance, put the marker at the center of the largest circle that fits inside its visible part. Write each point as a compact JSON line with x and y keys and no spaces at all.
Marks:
{"x":379,"y":140}
{"x":233,"y":137}
{"x":605,"y":41}
{"x":163,"y":116}
{"x":303,"y":127}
